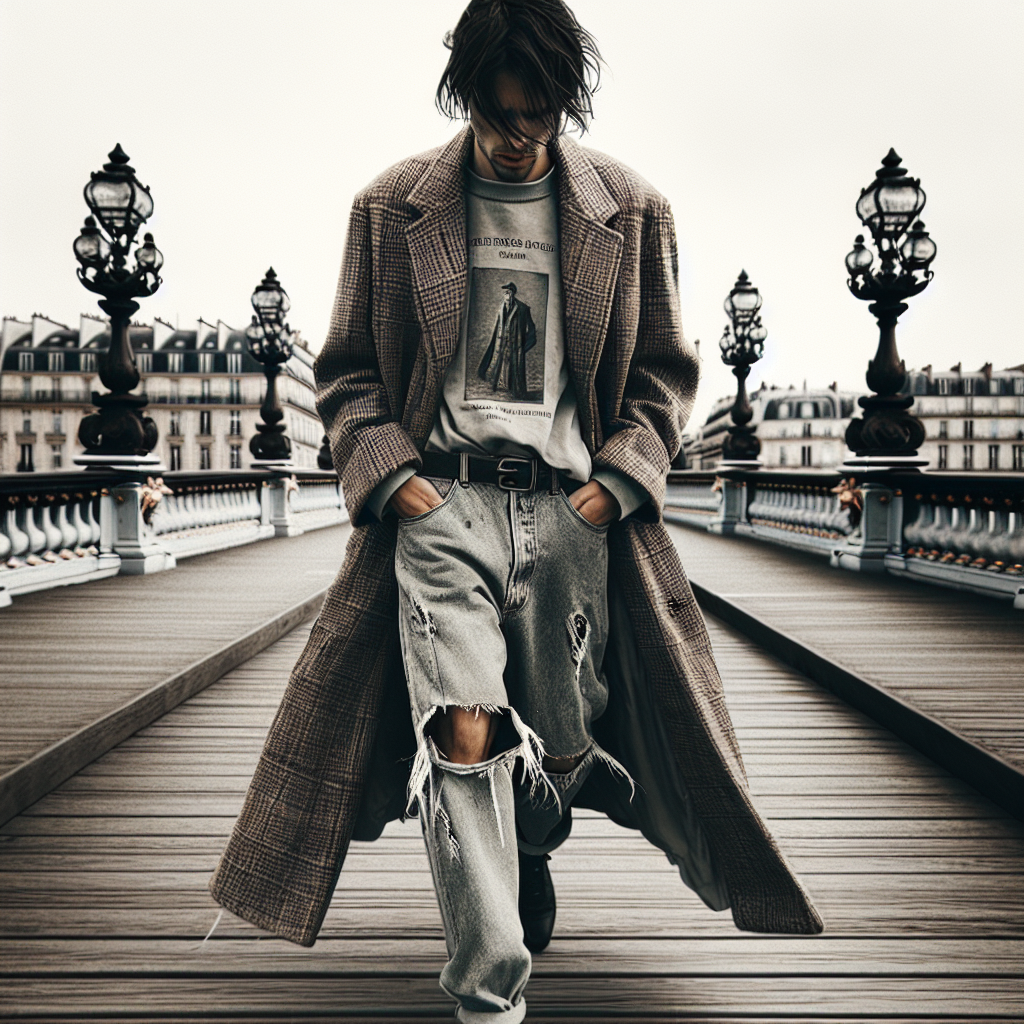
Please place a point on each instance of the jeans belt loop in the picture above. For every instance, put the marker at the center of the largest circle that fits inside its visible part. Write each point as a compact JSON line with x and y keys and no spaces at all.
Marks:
{"x":554,"y":488}
{"x":463,"y":469}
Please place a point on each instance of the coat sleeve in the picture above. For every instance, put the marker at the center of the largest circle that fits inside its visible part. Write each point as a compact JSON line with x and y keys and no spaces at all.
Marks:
{"x":367,"y":442}
{"x":661,"y":382}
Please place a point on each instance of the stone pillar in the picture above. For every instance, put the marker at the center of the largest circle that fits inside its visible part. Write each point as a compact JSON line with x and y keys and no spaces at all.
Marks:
{"x":280,"y":490}
{"x":133,"y":541}
{"x":733,"y":509}
{"x":877,"y":533}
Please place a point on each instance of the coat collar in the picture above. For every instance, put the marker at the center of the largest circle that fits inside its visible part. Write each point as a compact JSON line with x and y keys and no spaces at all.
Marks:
{"x":579,"y":185}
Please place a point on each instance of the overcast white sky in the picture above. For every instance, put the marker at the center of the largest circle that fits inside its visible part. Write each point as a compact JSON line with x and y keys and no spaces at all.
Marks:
{"x":254,"y":122}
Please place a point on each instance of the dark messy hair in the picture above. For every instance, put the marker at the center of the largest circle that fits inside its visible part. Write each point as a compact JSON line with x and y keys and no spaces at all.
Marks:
{"x":538,"y":42}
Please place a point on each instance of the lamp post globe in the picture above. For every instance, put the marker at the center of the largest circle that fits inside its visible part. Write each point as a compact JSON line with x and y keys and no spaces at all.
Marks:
{"x":118,"y":433}
{"x":742,"y":345}
{"x":889,"y":434}
{"x":271,"y":343}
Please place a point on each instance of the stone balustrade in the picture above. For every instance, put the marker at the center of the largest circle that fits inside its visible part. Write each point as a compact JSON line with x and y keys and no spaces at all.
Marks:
{"x":961,"y":530}
{"x":692,"y":497}
{"x":76,"y":526}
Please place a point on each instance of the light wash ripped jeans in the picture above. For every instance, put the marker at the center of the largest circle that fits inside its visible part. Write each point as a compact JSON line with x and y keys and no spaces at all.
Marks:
{"x":503,"y":607}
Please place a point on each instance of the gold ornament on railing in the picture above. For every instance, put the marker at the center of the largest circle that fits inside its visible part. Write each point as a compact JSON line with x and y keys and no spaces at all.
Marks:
{"x":151,"y":495}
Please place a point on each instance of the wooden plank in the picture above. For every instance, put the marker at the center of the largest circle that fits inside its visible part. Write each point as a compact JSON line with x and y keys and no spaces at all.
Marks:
{"x":739,"y":955}
{"x":558,"y":996}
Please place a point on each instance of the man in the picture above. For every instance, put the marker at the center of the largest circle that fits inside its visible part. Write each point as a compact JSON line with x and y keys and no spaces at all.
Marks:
{"x":509,"y":577}
{"x":504,"y":363}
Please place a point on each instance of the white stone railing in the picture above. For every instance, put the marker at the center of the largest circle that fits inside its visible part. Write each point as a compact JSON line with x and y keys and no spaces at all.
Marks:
{"x":808,"y":511}
{"x":692,"y":498}
{"x":77,"y":526}
{"x":52,"y":533}
{"x":960,"y":530}
{"x":963,"y":532}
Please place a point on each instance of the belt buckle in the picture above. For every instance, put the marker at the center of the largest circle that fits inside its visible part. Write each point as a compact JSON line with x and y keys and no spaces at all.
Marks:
{"x":508,"y":473}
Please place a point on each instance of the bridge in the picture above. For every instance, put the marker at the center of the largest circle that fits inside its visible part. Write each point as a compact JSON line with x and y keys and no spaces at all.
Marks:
{"x":878,"y":710}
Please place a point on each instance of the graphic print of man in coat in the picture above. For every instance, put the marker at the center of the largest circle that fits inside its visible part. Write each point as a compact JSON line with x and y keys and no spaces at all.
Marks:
{"x":504,"y":363}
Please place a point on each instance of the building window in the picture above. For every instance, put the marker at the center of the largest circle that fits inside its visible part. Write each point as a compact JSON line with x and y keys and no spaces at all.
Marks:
{"x":968,"y":456}
{"x":993,"y":456}
{"x":204,"y":422}
{"x":58,"y":422}
{"x":969,"y":385}
{"x":204,"y":390}
{"x":87,"y":362}
{"x":26,"y":421}
{"x":782,"y":455}
{"x":55,"y":363}
{"x":236,"y":423}
{"x":805,"y":455}
{"x":57,"y":455}
{"x":234,"y":362}
{"x":943,"y":429}
{"x":174,"y":362}
{"x":236,"y":456}
{"x":25,"y":363}
{"x":144,"y":361}
{"x":26,"y":388}
{"x":175,"y":426}
{"x":1018,"y":458}
{"x":943,"y":456}
{"x":26,"y":465}
{"x":1018,"y":385}
{"x":235,"y":392}
{"x":204,"y":457}
{"x":943,"y":385}
{"x":807,"y":429}
{"x":206,"y":362}
{"x":175,"y":457}
{"x":968,"y":428}
{"x":57,"y":389}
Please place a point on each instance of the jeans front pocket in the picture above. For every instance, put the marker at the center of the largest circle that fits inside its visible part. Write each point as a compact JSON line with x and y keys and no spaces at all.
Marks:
{"x":431,"y":512}
{"x":579,"y":518}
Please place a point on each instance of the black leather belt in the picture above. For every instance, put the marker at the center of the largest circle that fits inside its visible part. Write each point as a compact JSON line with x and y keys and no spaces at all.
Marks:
{"x":509,"y":472}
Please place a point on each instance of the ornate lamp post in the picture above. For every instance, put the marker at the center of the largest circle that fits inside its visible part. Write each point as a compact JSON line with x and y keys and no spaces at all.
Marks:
{"x":742,"y":346}
{"x":119,"y":433}
{"x":270,"y":342}
{"x":889,"y":207}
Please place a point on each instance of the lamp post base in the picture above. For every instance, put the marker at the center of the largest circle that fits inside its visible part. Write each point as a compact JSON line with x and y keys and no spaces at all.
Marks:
{"x":865,"y":463}
{"x":149,"y":463}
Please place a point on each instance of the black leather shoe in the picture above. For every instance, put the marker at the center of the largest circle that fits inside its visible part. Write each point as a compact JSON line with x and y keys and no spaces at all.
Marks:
{"x":536,"y":901}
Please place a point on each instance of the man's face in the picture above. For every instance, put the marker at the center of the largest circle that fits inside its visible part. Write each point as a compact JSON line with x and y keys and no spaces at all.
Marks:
{"x":516,"y":159}
{"x":508,"y":297}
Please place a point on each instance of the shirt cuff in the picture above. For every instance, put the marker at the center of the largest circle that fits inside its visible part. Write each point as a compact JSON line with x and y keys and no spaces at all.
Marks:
{"x":629,"y":494}
{"x":381,"y":494}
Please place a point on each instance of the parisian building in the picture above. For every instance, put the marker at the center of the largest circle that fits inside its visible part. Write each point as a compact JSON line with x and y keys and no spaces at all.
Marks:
{"x":974,"y":419}
{"x":204,"y":391}
{"x":797,"y":427}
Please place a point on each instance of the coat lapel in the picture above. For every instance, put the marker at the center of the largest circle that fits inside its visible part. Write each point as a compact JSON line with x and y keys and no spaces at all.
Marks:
{"x":437,"y":250}
{"x":591,"y":254}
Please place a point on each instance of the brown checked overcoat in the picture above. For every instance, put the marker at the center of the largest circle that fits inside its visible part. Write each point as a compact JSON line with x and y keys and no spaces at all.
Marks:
{"x":335,"y":762}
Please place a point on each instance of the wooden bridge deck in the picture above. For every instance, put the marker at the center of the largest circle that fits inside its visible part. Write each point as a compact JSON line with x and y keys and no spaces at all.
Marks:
{"x":103,"y":899}
{"x":956,"y":656}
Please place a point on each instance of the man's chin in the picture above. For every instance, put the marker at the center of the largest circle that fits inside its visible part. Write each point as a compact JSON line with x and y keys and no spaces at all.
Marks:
{"x":512,"y":173}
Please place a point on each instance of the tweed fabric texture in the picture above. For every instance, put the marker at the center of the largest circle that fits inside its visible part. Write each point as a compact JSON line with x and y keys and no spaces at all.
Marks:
{"x":394,"y":331}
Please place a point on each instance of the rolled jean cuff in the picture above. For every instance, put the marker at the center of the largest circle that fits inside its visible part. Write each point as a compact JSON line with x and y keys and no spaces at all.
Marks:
{"x":513,"y":1016}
